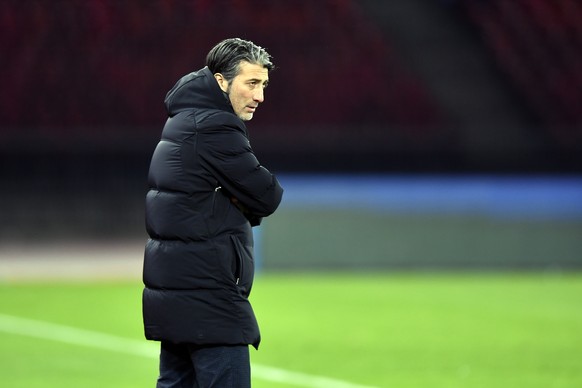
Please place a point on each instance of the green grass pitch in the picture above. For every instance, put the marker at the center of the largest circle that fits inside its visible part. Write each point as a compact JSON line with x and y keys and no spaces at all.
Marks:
{"x":378,"y":330}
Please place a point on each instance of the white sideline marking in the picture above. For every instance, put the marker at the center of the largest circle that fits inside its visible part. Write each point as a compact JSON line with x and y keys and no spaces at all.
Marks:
{"x":94,"y":339}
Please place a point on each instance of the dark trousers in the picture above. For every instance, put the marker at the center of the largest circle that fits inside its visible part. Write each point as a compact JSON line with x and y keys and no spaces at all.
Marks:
{"x":190,"y":366}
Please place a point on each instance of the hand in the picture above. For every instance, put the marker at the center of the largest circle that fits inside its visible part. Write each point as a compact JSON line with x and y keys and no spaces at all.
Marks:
{"x":239,"y":205}
{"x":254,"y":220}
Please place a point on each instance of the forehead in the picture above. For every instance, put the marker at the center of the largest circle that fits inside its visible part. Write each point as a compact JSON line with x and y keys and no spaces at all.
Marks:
{"x":252,"y":71}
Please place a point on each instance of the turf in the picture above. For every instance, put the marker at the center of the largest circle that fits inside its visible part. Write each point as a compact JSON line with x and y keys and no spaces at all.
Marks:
{"x":383,"y":330}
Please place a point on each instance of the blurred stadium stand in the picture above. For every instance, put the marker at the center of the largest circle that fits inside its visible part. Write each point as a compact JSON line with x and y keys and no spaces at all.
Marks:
{"x":418,"y":85}
{"x":384,"y":87}
{"x":538,"y":45}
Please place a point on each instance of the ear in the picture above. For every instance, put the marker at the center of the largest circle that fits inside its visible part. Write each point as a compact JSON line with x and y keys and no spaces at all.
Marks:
{"x":222,"y":82}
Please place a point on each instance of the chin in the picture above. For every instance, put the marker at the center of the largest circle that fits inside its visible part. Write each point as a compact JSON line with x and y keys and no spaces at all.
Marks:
{"x":246,"y":116}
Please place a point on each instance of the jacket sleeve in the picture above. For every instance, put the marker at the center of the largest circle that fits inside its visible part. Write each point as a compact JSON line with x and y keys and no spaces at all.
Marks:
{"x":227,"y":154}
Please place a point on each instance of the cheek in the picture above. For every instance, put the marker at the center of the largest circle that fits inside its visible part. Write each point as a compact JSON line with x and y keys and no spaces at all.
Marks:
{"x":237,"y":104}
{"x":238,"y":101}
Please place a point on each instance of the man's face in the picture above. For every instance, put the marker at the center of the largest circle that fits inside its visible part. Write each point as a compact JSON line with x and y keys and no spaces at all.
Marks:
{"x":246,"y":90}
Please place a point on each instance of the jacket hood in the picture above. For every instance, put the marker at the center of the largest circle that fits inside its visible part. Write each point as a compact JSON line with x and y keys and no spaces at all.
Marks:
{"x":198,"y":89}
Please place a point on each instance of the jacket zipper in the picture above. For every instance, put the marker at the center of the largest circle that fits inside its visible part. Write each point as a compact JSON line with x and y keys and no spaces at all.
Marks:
{"x":214,"y":198}
{"x":239,"y":259}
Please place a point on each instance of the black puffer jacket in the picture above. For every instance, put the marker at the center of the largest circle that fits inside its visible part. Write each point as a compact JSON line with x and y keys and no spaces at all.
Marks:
{"x":198,"y":264}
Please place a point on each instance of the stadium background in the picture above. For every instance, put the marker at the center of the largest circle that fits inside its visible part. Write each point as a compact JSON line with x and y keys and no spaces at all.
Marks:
{"x":411,"y":133}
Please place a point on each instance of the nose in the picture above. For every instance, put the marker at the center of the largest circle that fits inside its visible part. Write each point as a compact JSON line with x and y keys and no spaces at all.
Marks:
{"x":259,"y":95}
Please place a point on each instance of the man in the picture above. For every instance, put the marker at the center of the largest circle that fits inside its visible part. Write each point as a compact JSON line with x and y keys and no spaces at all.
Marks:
{"x":207,"y":190}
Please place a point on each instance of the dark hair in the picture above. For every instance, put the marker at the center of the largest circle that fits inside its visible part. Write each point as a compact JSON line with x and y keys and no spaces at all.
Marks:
{"x":225,"y":57}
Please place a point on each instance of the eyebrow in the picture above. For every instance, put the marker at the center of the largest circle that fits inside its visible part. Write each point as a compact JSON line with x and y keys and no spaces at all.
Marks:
{"x":258,"y":80}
